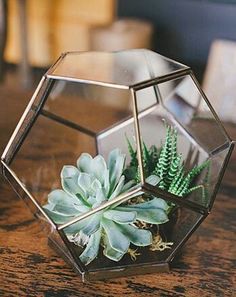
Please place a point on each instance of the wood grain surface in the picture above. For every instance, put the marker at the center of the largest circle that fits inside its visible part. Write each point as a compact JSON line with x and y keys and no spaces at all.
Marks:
{"x":28,"y":267}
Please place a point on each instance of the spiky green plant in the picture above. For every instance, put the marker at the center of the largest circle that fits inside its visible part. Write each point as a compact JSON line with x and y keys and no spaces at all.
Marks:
{"x":89,"y":185}
{"x":168,"y":165}
{"x":150,"y":158}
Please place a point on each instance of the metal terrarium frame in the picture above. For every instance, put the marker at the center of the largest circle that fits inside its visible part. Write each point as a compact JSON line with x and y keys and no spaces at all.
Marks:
{"x":36,"y":108}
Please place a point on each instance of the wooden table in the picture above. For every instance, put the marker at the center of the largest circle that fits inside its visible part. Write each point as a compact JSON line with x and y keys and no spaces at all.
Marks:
{"x":28,"y":267}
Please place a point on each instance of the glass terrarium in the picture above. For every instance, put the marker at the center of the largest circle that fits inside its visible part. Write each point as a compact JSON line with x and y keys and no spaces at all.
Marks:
{"x":120,"y":156}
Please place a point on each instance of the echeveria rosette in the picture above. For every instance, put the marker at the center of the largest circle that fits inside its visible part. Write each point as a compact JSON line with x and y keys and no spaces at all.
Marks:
{"x":88,"y":185}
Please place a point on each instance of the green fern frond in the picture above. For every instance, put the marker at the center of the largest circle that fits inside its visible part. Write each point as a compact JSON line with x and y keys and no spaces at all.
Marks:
{"x":146,"y":160}
{"x":133,"y":153}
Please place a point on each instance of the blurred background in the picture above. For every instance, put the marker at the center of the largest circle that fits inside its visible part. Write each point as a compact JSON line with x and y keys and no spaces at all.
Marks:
{"x":199,"y":33}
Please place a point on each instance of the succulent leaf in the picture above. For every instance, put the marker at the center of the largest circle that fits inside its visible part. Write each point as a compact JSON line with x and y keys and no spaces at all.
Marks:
{"x":85,"y":182}
{"x":76,"y":227}
{"x":106,"y":185}
{"x":128,"y":185}
{"x":93,"y":225}
{"x":110,"y":253}
{"x":118,"y":241}
{"x":84,"y":163}
{"x":153,"y":211}
{"x":121,"y":217}
{"x":99,"y":198}
{"x":152,"y":180}
{"x":69,"y":171}
{"x":69,"y":178}
{"x":116,"y":168}
{"x":59,"y":197}
{"x":118,"y":188}
{"x":137,"y":236}
{"x":64,"y":210}
{"x":152,"y":216}
{"x":98,"y":168}
{"x":58,"y":218}
{"x":92,"y":248}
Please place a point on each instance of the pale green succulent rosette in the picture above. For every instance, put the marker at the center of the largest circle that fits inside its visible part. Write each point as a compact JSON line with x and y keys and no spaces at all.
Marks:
{"x":88,"y":185}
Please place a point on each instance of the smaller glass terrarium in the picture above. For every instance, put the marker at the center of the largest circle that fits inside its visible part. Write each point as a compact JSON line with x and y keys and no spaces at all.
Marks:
{"x":120,"y":156}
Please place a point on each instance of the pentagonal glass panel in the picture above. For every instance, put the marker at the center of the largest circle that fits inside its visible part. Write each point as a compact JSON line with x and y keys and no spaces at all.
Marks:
{"x":55,"y":241}
{"x":47,"y":226}
{"x":185,"y":102}
{"x":48,"y":146}
{"x":92,"y":108}
{"x":176,"y":148}
{"x":27,"y":119}
{"x":142,"y":231}
{"x":114,"y":237}
{"x":124,"y":68}
{"x":105,"y":113}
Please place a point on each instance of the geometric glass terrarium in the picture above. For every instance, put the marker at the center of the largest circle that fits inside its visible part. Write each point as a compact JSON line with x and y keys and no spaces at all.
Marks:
{"x":120,"y":156}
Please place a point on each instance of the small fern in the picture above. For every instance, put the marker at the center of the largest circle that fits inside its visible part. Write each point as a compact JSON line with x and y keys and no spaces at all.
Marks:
{"x":168,"y":165}
{"x":133,"y":154}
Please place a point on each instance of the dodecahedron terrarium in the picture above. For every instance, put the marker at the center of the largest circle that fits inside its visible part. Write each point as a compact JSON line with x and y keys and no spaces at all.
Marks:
{"x":120,"y":156}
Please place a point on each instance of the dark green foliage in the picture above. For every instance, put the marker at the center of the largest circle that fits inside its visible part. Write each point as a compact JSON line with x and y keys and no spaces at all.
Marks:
{"x":132,"y":172}
{"x":167,"y":164}
{"x":154,"y":152}
{"x":133,"y":154}
{"x":186,"y":182}
{"x":150,"y":158}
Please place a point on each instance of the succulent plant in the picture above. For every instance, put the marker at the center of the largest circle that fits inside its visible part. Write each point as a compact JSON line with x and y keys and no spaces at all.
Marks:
{"x":88,"y":185}
{"x":167,"y":164}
